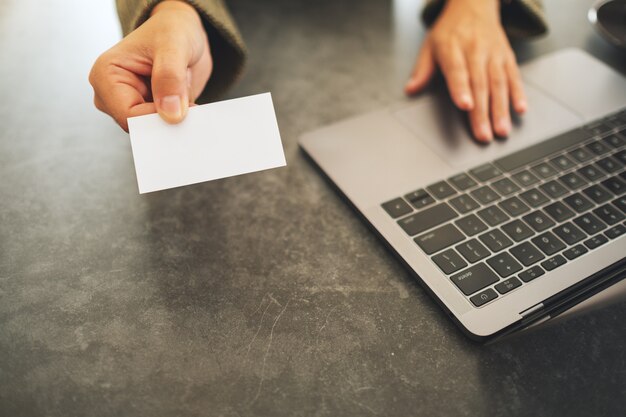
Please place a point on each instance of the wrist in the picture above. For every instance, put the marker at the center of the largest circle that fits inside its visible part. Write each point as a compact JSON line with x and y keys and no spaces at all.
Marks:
{"x":477,"y":6}
{"x":174,"y":5}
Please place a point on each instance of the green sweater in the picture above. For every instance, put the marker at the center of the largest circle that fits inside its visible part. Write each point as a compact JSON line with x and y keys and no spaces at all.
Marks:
{"x":521,"y":18}
{"x":227,"y":47}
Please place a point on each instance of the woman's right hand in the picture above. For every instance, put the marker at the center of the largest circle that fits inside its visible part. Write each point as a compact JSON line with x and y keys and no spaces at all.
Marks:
{"x":162,"y":66}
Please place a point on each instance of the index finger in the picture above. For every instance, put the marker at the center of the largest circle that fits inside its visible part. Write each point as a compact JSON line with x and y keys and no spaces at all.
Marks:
{"x":121,"y":96}
{"x":454,"y":68}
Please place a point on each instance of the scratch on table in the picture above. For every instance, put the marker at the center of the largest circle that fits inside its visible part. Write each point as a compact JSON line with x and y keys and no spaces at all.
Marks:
{"x":257,"y":330}
{"x":260,"y":304}
{"x":364,"y":406}
{"x":273,"y":299}
{"x":324,"y":325}
{"x":346,"y":289}
{"x":267,"y":351}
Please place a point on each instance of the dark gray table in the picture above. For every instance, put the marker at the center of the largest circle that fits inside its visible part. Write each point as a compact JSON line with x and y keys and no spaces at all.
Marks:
{"x":256,"y":295}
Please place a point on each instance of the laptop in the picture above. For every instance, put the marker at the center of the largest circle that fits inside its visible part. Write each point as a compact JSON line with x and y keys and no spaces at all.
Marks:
{"x":503,"y":236}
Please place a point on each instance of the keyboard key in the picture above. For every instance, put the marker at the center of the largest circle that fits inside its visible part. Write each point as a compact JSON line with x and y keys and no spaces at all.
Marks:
{"x":542,"y":149}
{"x":615,"y":185}
{"x":572,"y":181}
{"x":562,"y":163}
{"x":471,"y":225}
{"x":548,"y":243}
{"x":575,"y":252}
{"x":553,"y":188}
{"x":534,"y":197}
{"x":599,"y":128}
{"x":419,"y":199}
{"x":495,"y":240}
{"x":462,"y":182}
{"x":485,"y":172}
{"x":544,"y":170}
{"x":610,"y":165}
{"x":581,"y":154}
{"x":569,"y":233}
{"x":493,"y":215}
{"x":508,"y":285}
{"x":505,"y":186}
{"x":397,"y":207}
{"x":531,"y":273}
{"x":517,"y":230}
{"x":525,"y":178}
{"x":553,"y":263}
{"x":578,"y":202}
{"x":591,"y":172}
{"x":614,"y":141}
{"x":514,"y":206}
{"x":598,"y":194}
{"x":538,"y":221}
{"x":485,"y":195}
{"x":615,"y":231}
{"x":426,"y":219}
{"x":464,"y":203}
{"x":598,"y":148}
{"x":558,"y":211}
{"x":504,"y":264}
{"x":614,"y":121}
{"x":609,"y":214}
{"x":441,"y":190}
{"x":595,"y":241}
{"x":590,"y":223}
{"x":621,"y":156}
{"x":484,"y":297}
{"x":473,"y":250}
{"x":620,"y":203}
{"x":474,"y":278}
{"x":449,"y":261}
{"x":526,"y":253}
{"x":438,"y":239}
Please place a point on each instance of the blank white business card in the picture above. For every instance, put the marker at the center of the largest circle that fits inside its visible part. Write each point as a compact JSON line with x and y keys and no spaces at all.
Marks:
{"x":216,"y":140}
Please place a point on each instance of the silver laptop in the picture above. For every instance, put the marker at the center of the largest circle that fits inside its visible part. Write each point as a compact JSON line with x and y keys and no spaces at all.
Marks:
{"x":507,"y":235}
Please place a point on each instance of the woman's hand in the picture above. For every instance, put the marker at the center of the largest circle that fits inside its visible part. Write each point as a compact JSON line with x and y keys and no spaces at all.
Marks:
{"x":468,"y":44}
{"x":161,"y":67}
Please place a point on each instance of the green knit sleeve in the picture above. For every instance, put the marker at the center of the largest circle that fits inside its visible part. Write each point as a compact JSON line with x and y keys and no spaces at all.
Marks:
{"x":227,"y":47}
{"x":520,"y":18}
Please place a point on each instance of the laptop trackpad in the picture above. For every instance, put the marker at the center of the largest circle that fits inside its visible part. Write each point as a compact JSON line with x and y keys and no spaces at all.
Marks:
{"x":445,"y":129}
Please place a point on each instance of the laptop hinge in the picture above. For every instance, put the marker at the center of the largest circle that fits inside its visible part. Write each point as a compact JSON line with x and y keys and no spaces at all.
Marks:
{"x":531,"y":310}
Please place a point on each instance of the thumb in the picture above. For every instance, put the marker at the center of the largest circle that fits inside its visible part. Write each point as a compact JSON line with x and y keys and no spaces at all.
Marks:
{"x":170,"y":84}
{"x":423,"y":70}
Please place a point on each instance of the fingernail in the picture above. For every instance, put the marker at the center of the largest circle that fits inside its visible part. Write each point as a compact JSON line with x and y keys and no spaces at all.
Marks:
{"x":503,"y":126}
{"x":466,"y":101}
{"x":522,"y":106}
{"x":171,"y":107}
{"x":410,"y":84}
{"x":484,"y":132}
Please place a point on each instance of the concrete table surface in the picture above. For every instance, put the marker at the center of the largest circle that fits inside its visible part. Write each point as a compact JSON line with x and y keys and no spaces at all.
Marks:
{"x":256,"y":295}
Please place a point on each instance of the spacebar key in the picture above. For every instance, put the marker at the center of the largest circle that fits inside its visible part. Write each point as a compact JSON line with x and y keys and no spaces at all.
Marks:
{"x":440,"y":238}
{"x":426,"y":219}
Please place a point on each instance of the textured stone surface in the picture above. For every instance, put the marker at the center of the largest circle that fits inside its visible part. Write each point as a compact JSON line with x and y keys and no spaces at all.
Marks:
{"x":256,"y":295}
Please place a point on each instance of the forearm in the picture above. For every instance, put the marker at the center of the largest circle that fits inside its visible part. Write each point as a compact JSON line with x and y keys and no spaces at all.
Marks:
{"x":520,"y":18}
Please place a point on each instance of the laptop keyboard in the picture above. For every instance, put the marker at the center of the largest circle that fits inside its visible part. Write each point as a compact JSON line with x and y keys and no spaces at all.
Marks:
{"x":503,"y":224}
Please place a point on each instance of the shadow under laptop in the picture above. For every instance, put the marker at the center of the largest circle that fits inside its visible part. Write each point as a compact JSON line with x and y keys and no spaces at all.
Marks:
{"x":521,"y":373}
